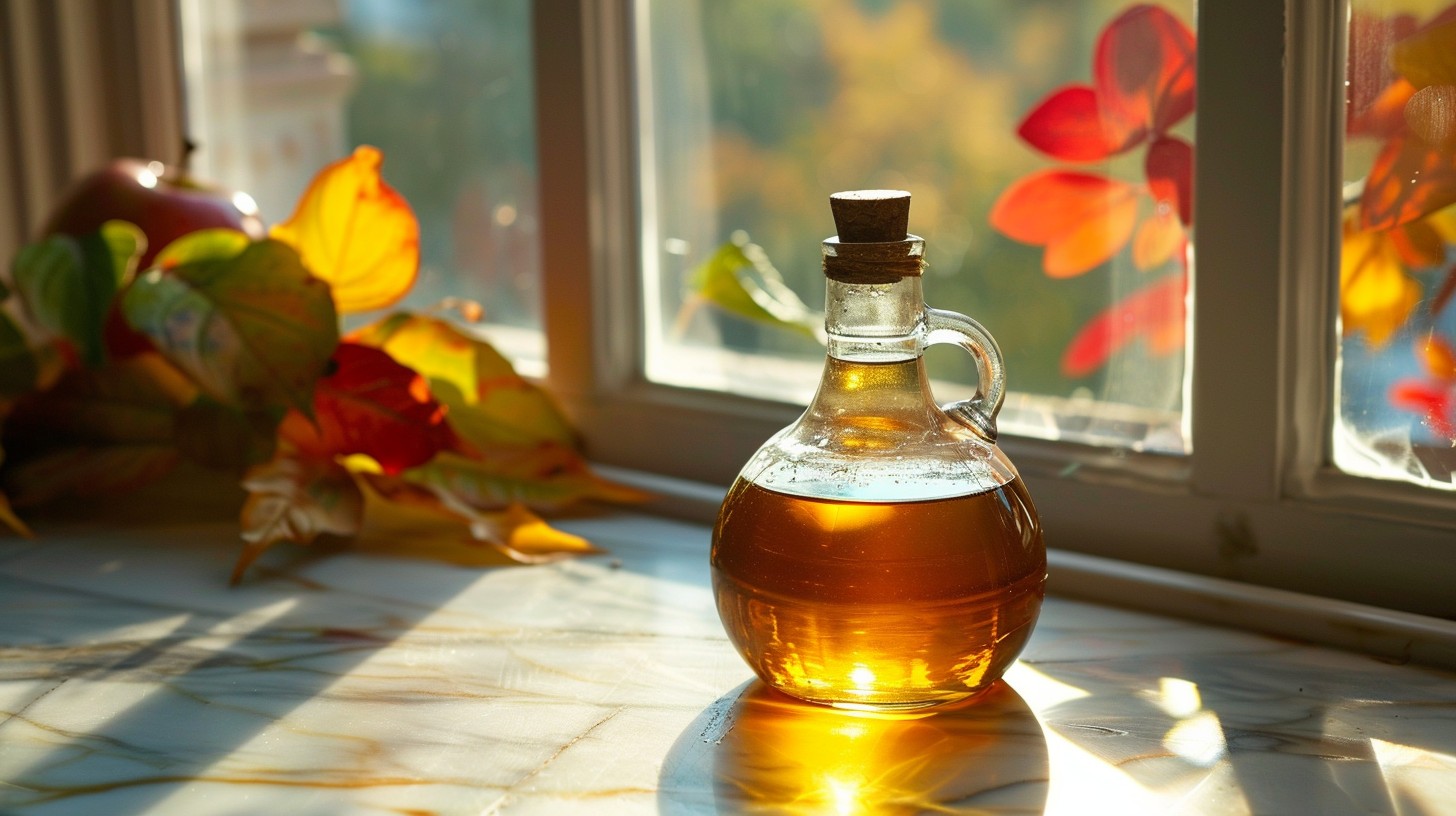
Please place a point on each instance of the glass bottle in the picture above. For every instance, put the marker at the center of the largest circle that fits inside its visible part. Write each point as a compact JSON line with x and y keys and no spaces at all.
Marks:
{"x":881,"y":552}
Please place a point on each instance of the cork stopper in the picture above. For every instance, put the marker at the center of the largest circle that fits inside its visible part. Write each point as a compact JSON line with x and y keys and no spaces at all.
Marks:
{"x":871,"y":216}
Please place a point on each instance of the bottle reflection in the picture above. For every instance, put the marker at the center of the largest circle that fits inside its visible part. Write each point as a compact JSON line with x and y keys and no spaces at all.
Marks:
{"x":779,"y":755}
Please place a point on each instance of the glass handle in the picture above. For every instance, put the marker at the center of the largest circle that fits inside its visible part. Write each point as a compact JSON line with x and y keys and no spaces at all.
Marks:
{"x":979,"y":412}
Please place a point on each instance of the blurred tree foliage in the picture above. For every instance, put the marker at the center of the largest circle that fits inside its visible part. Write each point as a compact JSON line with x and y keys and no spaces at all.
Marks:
{"x":813,"y":96}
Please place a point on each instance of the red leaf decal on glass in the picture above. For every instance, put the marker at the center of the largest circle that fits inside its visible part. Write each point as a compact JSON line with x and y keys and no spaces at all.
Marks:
{"x":1169,"y":165}
{"x":1144,"y":68}
{"x":1431,"y":400}
{"x":1082,"y":219}
{"x":1409,"y":179}
{"x":1069,"y":125}
{"x":372,"y":405}
{"x":1154,"y":313}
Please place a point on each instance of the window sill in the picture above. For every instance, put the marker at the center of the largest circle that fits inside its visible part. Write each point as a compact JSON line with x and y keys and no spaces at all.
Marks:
{"x":351,"y":682}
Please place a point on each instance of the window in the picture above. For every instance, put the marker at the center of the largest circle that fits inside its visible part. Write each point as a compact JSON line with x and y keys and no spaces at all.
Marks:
{"x":1263,"y":494}
{"x":275,"y":91}
{"x":753,"y":113}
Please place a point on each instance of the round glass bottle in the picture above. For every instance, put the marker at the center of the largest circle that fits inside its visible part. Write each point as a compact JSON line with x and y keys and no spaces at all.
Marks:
{"x":881,"y":551}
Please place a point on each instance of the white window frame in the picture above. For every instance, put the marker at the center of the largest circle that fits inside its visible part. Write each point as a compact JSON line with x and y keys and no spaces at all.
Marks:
{"x":1257,"y":501}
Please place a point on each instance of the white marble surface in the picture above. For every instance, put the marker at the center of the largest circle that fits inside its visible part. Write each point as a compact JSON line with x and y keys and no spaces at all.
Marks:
{"x":133,"y":681}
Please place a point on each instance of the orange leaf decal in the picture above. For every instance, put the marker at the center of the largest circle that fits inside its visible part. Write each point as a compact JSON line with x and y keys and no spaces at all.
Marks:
{"x":1155,"y":313}
{"x":1439,"y":357}
{"x":1376,"y":294}
{"x":1144,"y":68}
{"x":1410,"y":179}
{"x":1082,"y":219}
{"x":357,"y":233}
{"x":1159,"y":239}
{"x":369,"y":404}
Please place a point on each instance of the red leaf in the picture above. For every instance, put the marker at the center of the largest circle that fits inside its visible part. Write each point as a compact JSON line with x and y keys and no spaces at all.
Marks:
{"x":1432,"y":401}
{"x":1082,"y":219}
{"x":1144,"y":68}
{"x":1155,"y":313}
{"x":1169,"y":166}
{"x":1409,"y":179}
{"x":1070,"y":125}
{"x":372,"y":405}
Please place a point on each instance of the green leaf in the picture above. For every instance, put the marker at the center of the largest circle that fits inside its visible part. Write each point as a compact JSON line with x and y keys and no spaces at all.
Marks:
{"x":18,"y":366}
{"x":67,"y":283}
{"x":255,"y":330}
{"x":739,"y":279}
{"x":218,"y":243}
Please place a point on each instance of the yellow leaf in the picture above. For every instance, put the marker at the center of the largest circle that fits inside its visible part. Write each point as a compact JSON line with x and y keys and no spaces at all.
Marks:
{"x":407,"y":520}
{"x":357,"y":233}
{"x":296,"y":500}
{"x":9,"y":519}
{"x":1376,"y":293}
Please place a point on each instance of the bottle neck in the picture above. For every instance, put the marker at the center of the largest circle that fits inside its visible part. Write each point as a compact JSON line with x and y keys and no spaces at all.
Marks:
{"x":875,"y":322}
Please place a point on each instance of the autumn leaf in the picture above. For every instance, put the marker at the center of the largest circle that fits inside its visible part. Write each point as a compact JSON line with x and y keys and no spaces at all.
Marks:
{"x":1158,"y":240}
{"x":1432,"y":397}
{"x":1376,"y":292}
{"x":296,"y":500}
{"x":96,"y":432}
{"x":488,"y":402}
{"x":1428,"y":56}
{"x":739,"y":279}
{"x":85,"y":471}
{"x":67,"y":283}
{"x":1082,"y":219}
{"x":443,"y":528}
{"x":14,"y":522}
{"x":1155,"y":313}
{"x":1409,"y":180}
{"x":1070,"y":125}
{"x":357,"y":233}
{"x":1169,"y":168}
{"x":370,"y":404}
{"x":254,"y":330}
{"x":223,"y":437}
{"x":1144,"y":68}
{"x":542,"y":478}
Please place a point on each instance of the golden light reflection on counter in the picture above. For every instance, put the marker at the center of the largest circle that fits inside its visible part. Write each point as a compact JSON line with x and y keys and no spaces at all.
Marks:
{"x":778,"y":755}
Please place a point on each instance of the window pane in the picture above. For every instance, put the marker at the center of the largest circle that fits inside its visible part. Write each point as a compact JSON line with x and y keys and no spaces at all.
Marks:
{"x":1048,"y":148}
{"x":276,"y":90}
{"x":1397,"y":383}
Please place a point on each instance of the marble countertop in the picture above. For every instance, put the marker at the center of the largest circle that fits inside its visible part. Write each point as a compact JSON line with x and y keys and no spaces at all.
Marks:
{"x":133,"y":681}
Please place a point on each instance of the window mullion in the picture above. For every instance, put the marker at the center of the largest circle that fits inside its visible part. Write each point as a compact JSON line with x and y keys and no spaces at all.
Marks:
{"x":1236,"y":395}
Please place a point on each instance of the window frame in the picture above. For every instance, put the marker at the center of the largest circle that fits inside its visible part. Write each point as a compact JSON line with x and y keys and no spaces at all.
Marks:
{"x":1258,"y":500}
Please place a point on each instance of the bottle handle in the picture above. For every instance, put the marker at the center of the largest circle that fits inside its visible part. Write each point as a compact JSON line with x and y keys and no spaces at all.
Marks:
{"x":979,"y":412}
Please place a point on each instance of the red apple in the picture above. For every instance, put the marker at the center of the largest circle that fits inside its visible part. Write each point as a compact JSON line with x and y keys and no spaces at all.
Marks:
{"x":164,"y":202}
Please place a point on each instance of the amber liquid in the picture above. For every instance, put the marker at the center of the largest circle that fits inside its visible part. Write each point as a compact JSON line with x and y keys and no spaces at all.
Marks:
{"x":879,"y":605}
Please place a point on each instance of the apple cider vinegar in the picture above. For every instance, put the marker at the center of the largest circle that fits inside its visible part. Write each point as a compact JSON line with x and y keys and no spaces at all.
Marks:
{"x":881,"y":552}
{"x":885,"y":605}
